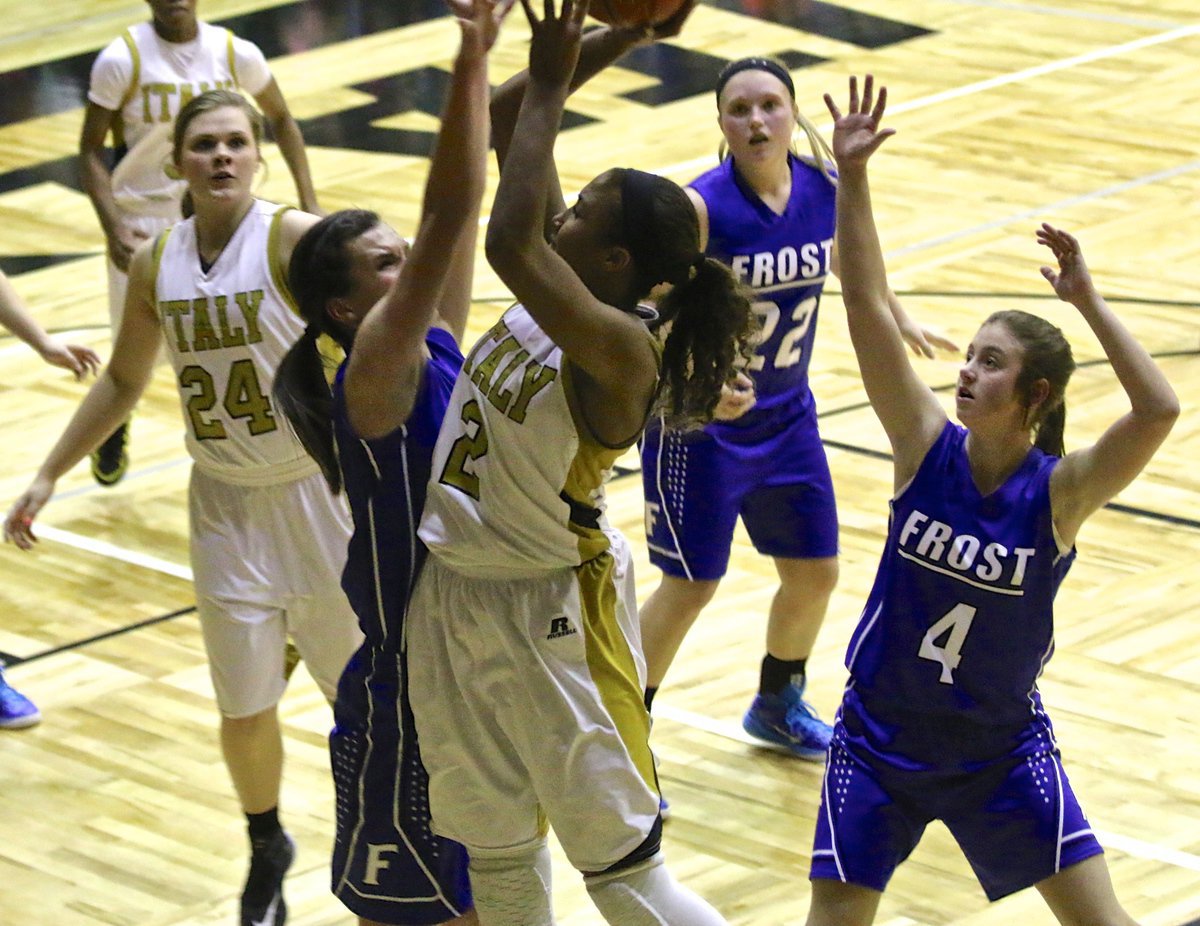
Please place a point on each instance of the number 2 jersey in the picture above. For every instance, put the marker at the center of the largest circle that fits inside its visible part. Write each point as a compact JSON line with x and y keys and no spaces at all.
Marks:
{"x":785,"y":259}
{"x":227,"y":329}
{"x":517,"y":486}
{"x":959,"y":623}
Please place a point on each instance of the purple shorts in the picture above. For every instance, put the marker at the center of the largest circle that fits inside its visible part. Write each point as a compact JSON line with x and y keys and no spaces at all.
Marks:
{"x":388,"y":865}
{"x":697,"y":483}
{"x":1015,"y":818}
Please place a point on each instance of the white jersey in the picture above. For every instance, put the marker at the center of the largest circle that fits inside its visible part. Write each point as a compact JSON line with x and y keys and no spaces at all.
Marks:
{"x":146,"y":80}
{"x":517,"y":479}
{"x":226,"y":331}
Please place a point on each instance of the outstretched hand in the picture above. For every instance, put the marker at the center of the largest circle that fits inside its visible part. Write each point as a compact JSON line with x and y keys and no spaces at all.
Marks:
{"x":18,"y":523}
{"x":480,"y":21}
{"x":74,"y":357}
{"x":924,"y":341}
{"x":554,"y":51}
{"x":1073,"y":281}
{"x":856,"y":134}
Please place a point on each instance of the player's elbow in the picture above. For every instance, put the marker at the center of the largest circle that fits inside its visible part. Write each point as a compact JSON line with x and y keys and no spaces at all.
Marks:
{"x":1164,"y":411}
{"x":507,"y":251}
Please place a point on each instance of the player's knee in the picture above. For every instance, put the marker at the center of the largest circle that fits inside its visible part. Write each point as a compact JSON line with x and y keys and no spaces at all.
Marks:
{"x":686,"y":596}
{"x":645,"y":894}
{"x":512,"y":886}
{"x":810,"y":577}
{"x":250,"y":723}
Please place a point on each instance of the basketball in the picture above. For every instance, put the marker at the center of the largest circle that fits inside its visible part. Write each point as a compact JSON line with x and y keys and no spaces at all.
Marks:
{"x":633,"y":12}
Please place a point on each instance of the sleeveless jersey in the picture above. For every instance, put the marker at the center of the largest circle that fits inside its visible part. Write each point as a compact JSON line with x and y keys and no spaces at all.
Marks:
{"x":385,"y":482}
{"x":226,"y":331}
{"x":146,"y":80}
{"x":785,"y":259}
{"x":517,"y":484}
{"x":959,"y":623}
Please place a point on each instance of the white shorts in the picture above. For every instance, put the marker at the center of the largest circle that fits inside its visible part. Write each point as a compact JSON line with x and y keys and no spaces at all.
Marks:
{"x":118,"y":280}
{"x":268,"y":565}
{"x":528,"y":697}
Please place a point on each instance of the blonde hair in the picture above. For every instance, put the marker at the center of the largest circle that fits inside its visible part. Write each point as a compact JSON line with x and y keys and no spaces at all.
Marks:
{"x":822,"y":155}
{"x":208,"y":102}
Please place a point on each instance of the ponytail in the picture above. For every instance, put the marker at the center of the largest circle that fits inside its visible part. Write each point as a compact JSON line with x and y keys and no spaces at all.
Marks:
{"x":712,"y":332}
{"x":319,"y":271}
{"x":302,"y":392}
{"x":1046,"y":358}
{"x":1048,"y":434}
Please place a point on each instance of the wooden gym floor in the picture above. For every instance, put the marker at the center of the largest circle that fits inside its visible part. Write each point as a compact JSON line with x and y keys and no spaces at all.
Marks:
{"x":117,"y":809}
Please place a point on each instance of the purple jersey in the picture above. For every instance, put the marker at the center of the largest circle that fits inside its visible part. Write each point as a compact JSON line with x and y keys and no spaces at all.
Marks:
{"x":785,"y":259}
{"x":385,"y":484}
{"x":388,"y":866}
{"x":959,"y":622}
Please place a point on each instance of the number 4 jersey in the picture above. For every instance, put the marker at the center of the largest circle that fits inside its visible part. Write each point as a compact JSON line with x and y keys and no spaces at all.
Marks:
{"x":959,"y":622}
{"x":227,"y":328}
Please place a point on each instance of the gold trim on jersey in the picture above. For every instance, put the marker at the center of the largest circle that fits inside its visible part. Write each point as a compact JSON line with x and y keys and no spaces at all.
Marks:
{"x":585,"y":476}
{"x":330,"y":350}
{"x":231,"y":57}
{"x":279,"y":270}
{"x":160,"y":245}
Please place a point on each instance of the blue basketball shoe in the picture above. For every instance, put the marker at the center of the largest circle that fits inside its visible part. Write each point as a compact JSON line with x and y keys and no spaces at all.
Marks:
{"x":16,"y":710}
{"x":788,"y":721}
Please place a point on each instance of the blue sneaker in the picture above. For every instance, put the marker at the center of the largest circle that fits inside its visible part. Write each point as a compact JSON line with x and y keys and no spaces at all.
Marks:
{"x":664,"y":809}
{"x":16,"y":710}
{"x":788,"y":721}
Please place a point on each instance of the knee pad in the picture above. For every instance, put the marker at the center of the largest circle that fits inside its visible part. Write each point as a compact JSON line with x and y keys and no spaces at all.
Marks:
{"x":512,"y":889}
{"x":647,"y":895}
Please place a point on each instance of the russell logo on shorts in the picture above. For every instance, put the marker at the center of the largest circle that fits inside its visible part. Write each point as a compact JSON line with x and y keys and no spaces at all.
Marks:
{"x":560,"y":627}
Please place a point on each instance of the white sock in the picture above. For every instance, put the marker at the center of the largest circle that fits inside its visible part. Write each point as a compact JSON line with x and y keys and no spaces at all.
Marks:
{"x":512,"y":890}
{"x":647,"y":895}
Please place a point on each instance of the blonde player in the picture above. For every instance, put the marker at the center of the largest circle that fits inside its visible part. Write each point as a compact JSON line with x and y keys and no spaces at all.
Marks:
{"x":268,"y":539}
{"x":138,"y":85}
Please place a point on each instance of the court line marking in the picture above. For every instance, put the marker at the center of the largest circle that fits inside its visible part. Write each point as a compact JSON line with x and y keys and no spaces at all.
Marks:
{"x":689,"y":169}
{"x":1136,"y":848}
{"x":111,"y":550}
{"x":1128,"y":845}
{"x":991,"y":83}
{"x":1048,"y":209}
{"x":1065,"y":13}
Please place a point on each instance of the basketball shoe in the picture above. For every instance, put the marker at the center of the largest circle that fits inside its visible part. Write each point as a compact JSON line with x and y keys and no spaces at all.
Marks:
{"x":111,"y":459}
{"x":788,"y":721}
{"x":16,"y":710}
{"x":262,"y":898}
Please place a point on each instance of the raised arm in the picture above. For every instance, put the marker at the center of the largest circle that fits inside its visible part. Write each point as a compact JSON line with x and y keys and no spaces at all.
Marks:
{"x":906,"y":407}
{"x":610,"y":346}
{"x":108,"y":402}
{"x":599,"y":48}
{"x":1088,"y":478}
{"x":286,"y":133}
{"x":13,"y":316}
{"x":388,"y":360}
{"x":921,"y":340}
